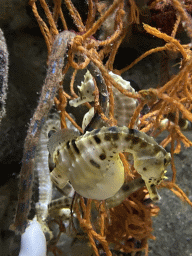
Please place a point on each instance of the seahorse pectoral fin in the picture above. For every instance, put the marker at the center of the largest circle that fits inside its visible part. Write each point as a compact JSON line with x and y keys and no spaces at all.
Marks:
{"x":77,"y":101}
{"x":59,"y":177}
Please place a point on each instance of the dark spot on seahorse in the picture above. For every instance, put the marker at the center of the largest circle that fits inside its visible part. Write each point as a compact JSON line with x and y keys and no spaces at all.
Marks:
{"x":125,"y":187}
{"x":113,"y":133}
{"x":75,"y":146}
{"x":115,"y":136}
{"x":97,"y":139}
{"x":153,"y":188}
{"x":135,"y":140}
{"x":59,"y":176}
{"x":111,"y":136}
{"x":95,"y":164}
{"x":143,"y":144}
{"x":156,"y":149}
{"x":107,"y":137}
{"x":144,"y":169}
{"x":102,"y":156}
{"x":128,"y":137}
{"x":67,"y":202}
{"x":68,"y":146}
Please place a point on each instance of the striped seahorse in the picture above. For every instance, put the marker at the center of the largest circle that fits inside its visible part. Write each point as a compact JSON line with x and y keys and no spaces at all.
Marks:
{"x":92,"y":164}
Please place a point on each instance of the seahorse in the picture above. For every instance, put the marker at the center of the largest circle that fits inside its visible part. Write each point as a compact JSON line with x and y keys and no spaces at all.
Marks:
{"x":92,"y":164}
{"x":42,"y":174}
{"x":124,"y":106}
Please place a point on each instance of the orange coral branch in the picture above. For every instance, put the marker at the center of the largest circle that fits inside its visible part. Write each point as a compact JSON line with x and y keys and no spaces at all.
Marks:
{"x":157,"y":33}
{"x":75,"y":15}
{"x":98,"y":23}
{"x":42,"y":25}
{"x":184,"y":15}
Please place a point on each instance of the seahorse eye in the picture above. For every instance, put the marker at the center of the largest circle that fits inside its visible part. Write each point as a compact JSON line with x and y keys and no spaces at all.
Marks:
{"x":50,"y":133}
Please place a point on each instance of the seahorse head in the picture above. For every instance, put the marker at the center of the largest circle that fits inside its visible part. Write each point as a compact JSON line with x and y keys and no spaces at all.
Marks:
{"x":86,"y":91}
{"x":56,"y":141}
{"x":152,"y":170}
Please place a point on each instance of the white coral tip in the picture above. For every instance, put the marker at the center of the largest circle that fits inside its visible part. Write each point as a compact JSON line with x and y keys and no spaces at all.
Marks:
{"x":33,"y":242}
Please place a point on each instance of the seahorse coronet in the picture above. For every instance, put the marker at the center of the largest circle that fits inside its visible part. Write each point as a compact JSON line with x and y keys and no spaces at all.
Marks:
{"x":92,"y":165}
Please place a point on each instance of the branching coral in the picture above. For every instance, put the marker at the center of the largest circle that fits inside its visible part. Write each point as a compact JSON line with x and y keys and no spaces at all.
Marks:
{"x":84,"y":51}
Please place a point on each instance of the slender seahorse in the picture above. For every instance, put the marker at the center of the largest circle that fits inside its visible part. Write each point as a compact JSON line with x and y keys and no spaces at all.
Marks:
{"x":42,"y":174}
{"x":91,"y":161}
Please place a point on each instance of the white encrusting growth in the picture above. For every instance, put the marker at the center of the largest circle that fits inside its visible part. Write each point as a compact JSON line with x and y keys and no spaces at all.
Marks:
{"x":33,"y":242}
